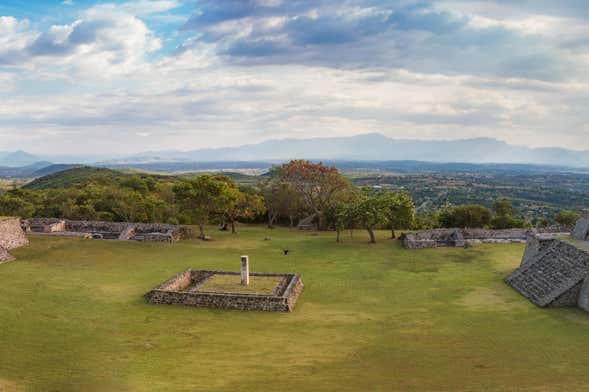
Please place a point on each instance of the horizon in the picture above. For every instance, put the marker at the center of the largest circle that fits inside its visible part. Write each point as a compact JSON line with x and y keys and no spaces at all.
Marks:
{"x":125,"y":77}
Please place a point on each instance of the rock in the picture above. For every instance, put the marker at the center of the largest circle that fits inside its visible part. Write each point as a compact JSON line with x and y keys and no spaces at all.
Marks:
{"x":266,"y":238}
{"x":206,"y":238}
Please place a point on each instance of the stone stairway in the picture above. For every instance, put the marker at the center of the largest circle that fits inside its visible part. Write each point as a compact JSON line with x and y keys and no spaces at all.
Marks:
{"x":554,"y":271}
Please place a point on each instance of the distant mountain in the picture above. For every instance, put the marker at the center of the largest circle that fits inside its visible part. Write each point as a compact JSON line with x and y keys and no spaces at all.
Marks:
{"x":370,"y":147}
{"x":22,"y":171}
{"x":181,"y":166}
{"x":17,"y":159}
{"x":376,"y":147}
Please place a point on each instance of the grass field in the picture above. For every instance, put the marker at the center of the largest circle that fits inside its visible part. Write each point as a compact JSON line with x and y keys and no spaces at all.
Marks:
{"x":232,"y":284}
{"x":371,"y":318}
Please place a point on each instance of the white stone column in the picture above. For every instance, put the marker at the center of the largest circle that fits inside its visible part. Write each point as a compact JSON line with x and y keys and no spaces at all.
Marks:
{"x":245,"y":270}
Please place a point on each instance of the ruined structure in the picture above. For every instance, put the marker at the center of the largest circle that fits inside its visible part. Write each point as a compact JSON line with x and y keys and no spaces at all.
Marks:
{"x":11,"y":236}
{"x":189,"y":289}
{"x":553,"y":272}
{"x":438,"y":238}
{"x":581,"y":230}
{"x":153,"y":232}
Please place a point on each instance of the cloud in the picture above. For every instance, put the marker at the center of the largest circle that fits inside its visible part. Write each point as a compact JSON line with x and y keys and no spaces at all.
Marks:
{"x":420,"y":35}
{"x":104,"y":41}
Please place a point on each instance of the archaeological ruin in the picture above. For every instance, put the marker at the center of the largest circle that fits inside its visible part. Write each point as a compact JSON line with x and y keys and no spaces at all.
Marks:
{"x":198,"y":288}
{"x":553,"y":272}
{"x":438,"y":238}
{"x":151,"y":232}
{"x":11,"y":237}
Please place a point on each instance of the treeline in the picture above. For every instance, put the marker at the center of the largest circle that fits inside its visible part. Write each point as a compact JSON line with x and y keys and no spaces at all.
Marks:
{"x":295,"y":193}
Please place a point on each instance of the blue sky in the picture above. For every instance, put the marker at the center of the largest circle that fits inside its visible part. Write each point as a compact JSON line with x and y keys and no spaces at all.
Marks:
{"x":129,"y":76}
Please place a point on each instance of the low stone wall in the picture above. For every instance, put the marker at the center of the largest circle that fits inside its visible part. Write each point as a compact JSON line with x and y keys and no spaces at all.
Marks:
{"x":5,"y":256}
{"x":438,"y":238}
{"x":11,"y":234}
{"x":152,"y":232}
{"x":171,"y":292}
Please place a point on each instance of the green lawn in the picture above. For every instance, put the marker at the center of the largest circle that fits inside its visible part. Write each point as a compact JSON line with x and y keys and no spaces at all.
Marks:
{"x":371,"y":318}
{"x":232,"y":284}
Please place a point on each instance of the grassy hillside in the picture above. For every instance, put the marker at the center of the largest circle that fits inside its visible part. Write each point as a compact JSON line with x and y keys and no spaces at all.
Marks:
{"x":81,"y":175}
{"x":371,"y":318}
{"x":73,"y":177}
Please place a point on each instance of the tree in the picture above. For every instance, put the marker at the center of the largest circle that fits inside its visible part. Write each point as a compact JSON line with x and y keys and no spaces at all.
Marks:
{"x":567,"y":218}
{"x":316,"y":185}
{"x":504,"y":218}
{"x":503,"y":208}
{"x":399,"y":210}
{"x":280,"y":200}
{"x":243,"y":204}
{"x":369,"y":212}
{"x":469,"y":215}
{"x":201,"y":198}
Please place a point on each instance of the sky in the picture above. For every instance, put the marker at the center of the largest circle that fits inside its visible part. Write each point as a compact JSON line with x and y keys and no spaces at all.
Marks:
{"x":83,"y":76}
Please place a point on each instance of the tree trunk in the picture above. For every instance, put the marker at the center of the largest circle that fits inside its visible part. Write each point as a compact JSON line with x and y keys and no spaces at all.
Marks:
{"x":337,"y":238}
{"x":233,"y":226}
{"x":393,"y":236}
{"x":371,"y":234}
{"x":271,"y":218}
{"x":291,"y":221}
{"x":201,"y":228}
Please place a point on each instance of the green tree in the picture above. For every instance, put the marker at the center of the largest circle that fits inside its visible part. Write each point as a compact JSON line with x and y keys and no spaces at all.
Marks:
{"x":469,"y":215}
{"x":567,"y":217}
{"x":503,"y":208}
{"x":201,"y":198}
{"x":504,"y":218}
{"x":369,"y":211}
{"x":399,"y":210}
{"x":242,"y":204}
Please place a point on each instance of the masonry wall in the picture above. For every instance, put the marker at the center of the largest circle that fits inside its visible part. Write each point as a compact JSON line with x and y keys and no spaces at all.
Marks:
{"x":169,"y":293}
{"x":437,"y":238}
{"x":11,"y":234}
{"x":5,"y":256}
{"x":152,"y":232}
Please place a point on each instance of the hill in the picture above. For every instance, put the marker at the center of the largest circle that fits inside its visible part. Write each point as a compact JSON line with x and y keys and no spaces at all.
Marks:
{"x":367,"y":147}
{"x":72,"y":177}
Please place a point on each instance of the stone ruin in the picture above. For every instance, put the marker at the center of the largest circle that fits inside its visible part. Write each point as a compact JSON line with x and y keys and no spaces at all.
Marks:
{"x":553,"y":272}
{"x":11,"y":237}
{"x":439,"y":238}
{"x":151,"y":232}
{"x":187,"y":289}
{"x":581,"y":230}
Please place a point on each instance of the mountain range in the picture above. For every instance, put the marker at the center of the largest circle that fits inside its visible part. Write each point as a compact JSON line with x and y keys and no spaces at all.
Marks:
{"x":368,"y":147}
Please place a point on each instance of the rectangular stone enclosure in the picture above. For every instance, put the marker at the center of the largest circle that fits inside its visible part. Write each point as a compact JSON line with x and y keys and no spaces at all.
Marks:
{"x":188,"y":289}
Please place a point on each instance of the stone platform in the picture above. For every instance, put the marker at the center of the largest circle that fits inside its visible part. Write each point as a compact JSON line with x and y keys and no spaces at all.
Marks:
{"x":11,"y":237}
{"x":553,"y":272}
{"x":186,"y":289}
{"x":145,"y":232}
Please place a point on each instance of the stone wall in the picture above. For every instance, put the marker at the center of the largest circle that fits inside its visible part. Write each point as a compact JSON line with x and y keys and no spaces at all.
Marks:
{"x":582,"y":227}
{"x":11,"y":234}
{"x":153,"y":232}
{"x":5,"y":256}
{"x":553,"y":273}
{"x":438,"y":238}
{"x":171,"y":293}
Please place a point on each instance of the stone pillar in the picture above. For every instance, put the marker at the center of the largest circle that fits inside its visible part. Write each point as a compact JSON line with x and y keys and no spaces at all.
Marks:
{"x":245,"y":270}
